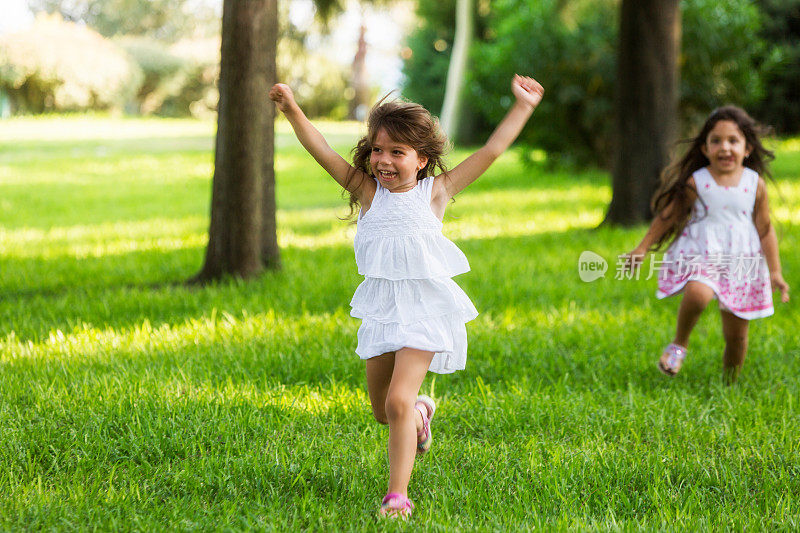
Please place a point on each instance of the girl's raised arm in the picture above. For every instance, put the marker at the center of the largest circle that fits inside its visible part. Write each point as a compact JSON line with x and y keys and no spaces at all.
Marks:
{"x":313,"y":141}
{"x":528,"y":93}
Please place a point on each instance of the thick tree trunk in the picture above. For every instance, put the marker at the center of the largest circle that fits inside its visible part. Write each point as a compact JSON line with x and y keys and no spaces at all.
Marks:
{"x":270,"y":253}
{"x":647,"y":94}
{"x":453,"y":98}
{"x":243,"y":170}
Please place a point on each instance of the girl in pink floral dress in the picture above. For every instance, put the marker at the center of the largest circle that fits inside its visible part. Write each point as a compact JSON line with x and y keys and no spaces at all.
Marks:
{"x":712,"y":207}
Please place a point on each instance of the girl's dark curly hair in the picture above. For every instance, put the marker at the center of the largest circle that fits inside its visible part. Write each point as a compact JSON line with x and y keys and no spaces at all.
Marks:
{"x":674,"y":180}
{"x":405,"y":123}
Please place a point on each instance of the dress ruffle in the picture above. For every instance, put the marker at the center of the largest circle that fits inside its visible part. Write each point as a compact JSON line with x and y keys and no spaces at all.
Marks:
{"x":420,"y":256}
{"x":409,"y":301}
{"x":446,"y":336}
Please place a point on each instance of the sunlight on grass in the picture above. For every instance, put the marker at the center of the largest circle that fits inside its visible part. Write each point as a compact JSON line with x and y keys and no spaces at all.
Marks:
{"x":134,"y":400}
{"x":90,"y":345}
{"x":104,"y":239}
{"x":77,"y":127}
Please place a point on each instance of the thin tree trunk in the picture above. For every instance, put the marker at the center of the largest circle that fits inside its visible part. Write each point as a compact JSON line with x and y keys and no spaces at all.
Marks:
{"x":451,"y":108}
{"x":359,"y":105}
{"x":646,"y":107}
{"x":235,"y":234}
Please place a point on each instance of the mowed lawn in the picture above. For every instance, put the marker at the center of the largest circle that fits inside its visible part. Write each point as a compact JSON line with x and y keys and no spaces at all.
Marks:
{"x":131,"y":401}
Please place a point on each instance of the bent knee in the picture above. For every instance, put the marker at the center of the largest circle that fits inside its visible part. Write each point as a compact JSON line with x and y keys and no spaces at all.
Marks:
{"x":398,"y":406}
{"x":698,"y":294}
{"x":736,"y":339}
{"x":380,"y":416}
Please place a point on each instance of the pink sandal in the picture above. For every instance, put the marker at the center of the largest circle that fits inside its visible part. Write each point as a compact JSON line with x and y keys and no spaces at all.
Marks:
{"x":426,"y":408}
{"x":396,"y":506}
{"x":672,"y":359}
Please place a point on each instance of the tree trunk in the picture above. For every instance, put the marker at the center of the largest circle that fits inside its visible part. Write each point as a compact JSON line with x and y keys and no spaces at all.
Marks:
{"x":242,"y":203}
{"x":359,"y":105}
{"x":270,"y":253}
{"x":646,"y":107}
{"x":451,"y":108}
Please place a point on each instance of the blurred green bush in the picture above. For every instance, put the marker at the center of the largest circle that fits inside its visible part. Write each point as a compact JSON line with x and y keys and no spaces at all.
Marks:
{"x":179,"y":79}
{"x":319,"y":85}
{"x":60,"y":66}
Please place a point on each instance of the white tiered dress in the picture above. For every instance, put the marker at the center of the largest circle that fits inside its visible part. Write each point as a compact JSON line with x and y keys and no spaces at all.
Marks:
{"x":720,"y":247}
{"x":408,"y":299}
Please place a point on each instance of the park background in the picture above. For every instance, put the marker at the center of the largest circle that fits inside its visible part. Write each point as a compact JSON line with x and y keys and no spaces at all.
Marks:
{"x":133,"y":400}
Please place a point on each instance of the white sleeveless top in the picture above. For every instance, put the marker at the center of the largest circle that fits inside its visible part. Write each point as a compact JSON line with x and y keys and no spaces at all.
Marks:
{"x":720,"y":247}
{"x":400,"y":238}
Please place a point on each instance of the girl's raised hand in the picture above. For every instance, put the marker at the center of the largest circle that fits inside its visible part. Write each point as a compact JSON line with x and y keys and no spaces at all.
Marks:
{"x":282,"y":95}
{"x":779,"y":284}
{"x":527,"y":90}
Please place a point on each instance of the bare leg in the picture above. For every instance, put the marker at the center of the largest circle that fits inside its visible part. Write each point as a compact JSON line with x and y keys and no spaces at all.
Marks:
{"x":379,"y":375}
{"x":410,"y":368}
{"x":734,"y":329}
{"x":696,"y":296}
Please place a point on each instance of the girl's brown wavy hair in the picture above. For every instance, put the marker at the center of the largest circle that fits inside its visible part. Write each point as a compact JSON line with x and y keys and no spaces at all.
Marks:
{"x":406,"y":123}
{"x":674,"y":185}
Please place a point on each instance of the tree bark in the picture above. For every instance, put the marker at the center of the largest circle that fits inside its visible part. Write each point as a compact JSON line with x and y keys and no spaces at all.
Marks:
{"x":243,"y":203}
{"x":646,"y":107}
{"x":451,"y":108}
{"x":270,"y":253}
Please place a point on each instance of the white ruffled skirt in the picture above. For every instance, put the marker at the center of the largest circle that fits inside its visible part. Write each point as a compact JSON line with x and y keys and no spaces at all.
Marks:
{"x":426,"y":314}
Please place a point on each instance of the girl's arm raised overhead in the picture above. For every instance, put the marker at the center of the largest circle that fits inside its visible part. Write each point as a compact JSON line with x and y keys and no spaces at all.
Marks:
{"x":769,"y":241}
{"x":528,"y":93}
{"x":312,"y":140}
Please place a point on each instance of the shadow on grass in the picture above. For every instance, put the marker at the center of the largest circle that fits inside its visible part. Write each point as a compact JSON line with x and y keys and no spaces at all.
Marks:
{"x":538,"y":322}
{"x":122,"y":290}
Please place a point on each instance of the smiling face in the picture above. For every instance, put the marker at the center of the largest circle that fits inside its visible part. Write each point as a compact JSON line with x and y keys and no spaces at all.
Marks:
{"x":395,"y":164}
{"x":726,"y":148}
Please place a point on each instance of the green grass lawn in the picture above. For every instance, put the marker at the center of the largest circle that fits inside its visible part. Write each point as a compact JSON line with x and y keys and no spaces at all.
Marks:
{"x":131,"y":401}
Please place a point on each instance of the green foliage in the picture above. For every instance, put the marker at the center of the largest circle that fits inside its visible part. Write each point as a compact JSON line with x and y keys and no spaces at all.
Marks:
{"x":133,"y":402}
{"x":721,"y":46}
{"x":572,"y":53}
{"x":425,"y":69}
{"x":58,"y":66}
{"x":780,"y":65}
{"x":318,"y":83}
{"x":571,"y":48}
{"x":158,"y":66}
{"x":164,"y":20}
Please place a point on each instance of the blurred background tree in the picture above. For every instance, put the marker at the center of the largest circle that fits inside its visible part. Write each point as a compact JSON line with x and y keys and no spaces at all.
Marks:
{"x":741,"y":52}
{"x":173,"y":53}
{"x":737,"y":52}
{"x":162,"y":20}
{"x":427,"y":58}
{"x":780,"y":64}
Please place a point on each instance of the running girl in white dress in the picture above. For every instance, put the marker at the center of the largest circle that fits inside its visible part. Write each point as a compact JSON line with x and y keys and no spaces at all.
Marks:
{"x":412,"y":312}
{"x":713,"y":207}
